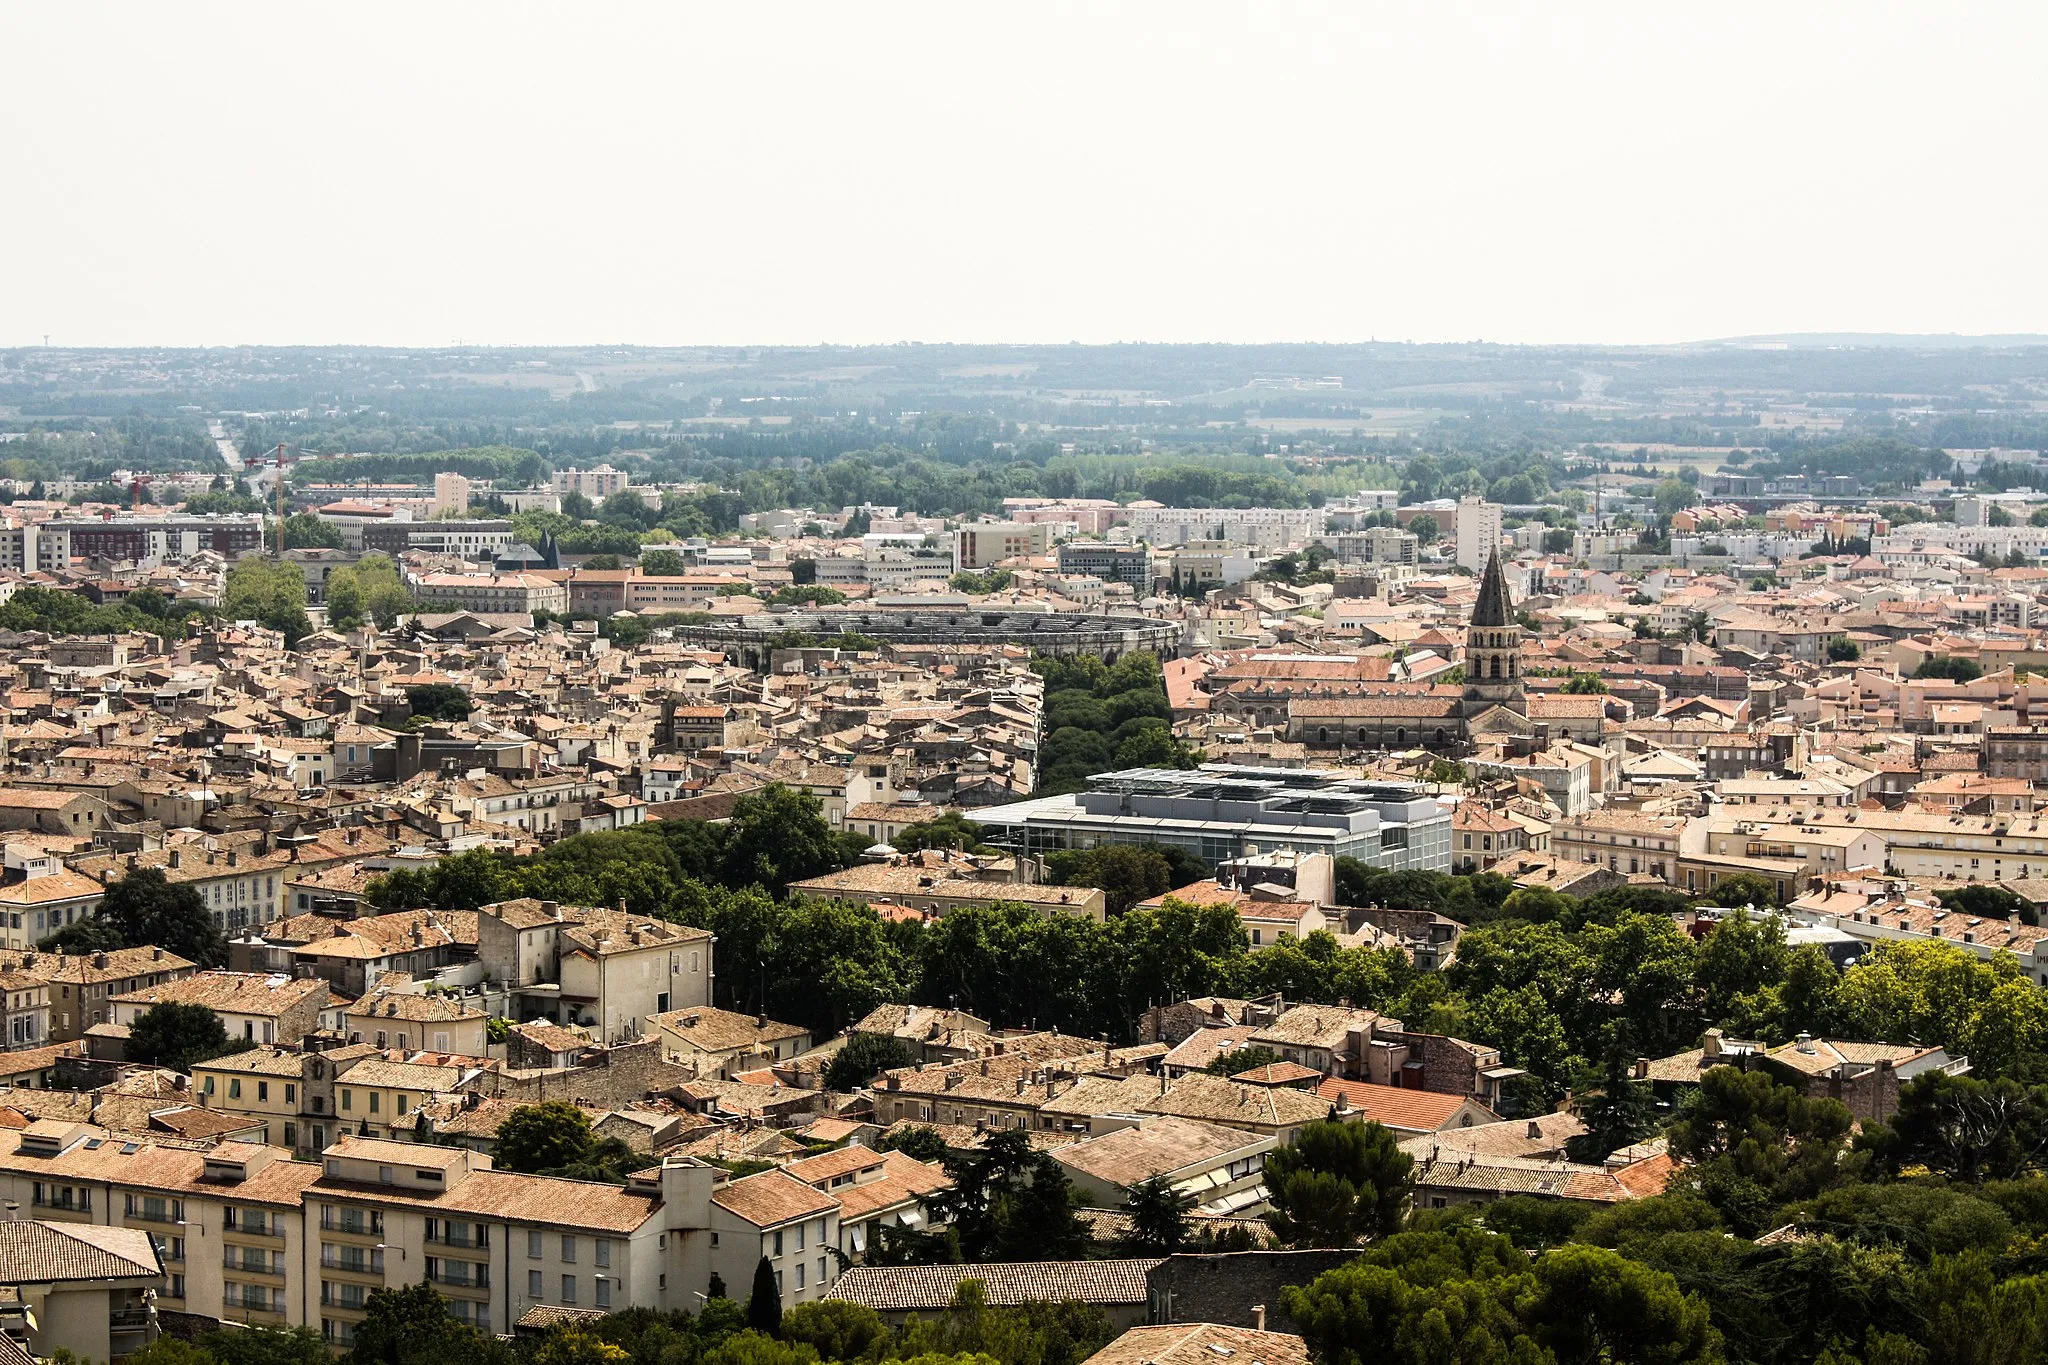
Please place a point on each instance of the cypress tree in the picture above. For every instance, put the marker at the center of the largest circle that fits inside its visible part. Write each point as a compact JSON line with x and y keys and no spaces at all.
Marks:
{"x":764,"y":1305}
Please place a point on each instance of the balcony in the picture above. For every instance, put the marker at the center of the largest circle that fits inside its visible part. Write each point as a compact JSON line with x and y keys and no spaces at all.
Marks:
{"x":335,"y":1258}
{"x":254,"y":1263}
{"x":352,"y":1222}
{"x":245,"y":1226}
{"x":459,"y":1275}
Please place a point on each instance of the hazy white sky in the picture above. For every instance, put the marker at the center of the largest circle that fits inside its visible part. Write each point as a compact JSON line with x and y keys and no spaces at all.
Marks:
{"x":744,"y":172}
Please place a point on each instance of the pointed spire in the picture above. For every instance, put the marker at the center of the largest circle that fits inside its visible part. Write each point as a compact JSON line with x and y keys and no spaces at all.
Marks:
{"x":1495,"y":605}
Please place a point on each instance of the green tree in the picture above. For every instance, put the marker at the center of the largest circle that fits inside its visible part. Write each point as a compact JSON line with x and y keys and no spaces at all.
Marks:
{"x":1159,"y":1217}
{"x":271,"y":594}
{"x":951,"y":830}
{"x":764,"y":1303}
{"x":1674,"y":496}
{"x":1009,"y":1202}
{"x":1585,"y":684}
{"x":1425,"y":529}
{"x":778,"y":835}
{"x":1949,"y":666}
{"x":918,"y":1142}
{"x":1337,"y":1182}
{"x":438,"y":701}
{"x":1124,"y":873}
{"x":176,"y":1036}
{"x":1969,"y":1129}
{"x":1843,"y":650}
{"x":1593,"y":1305}
{"x":836,"y":1329}
{"x":1620,"y":1112}
{"x":543,"y":1137}
{"x":1244,"y":1059}
{"x":410,"y":1325}
{"x":864,"y":1056}
{"x":659,"y":563}
{"x":304,"y":531}
{"x":147,"y":909}
{"x":1758,"y":1144}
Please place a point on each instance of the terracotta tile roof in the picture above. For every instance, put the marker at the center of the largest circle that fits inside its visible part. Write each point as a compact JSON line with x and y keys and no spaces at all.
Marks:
{"x":928,"y":1287}
{"x":772,"y":1198}
{"x":1131,"y":1155}
{"x":1201,"y":1343}
{"x":33,"y":1253}
{"x":1416,"y":1111}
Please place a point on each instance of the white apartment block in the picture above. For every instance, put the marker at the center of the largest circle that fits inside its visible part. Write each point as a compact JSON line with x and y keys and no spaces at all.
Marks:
{"x":1269,"y":527}
{"x":596,"y":484}
{"x":1478,"y":532}
{"x":893,"y":568}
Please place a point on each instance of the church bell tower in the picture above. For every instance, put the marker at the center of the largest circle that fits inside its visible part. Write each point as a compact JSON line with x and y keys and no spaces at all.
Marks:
{"x":1493,"y":648}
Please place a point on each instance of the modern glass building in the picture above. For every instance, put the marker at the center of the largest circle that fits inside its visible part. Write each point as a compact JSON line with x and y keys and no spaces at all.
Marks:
{"x":1222,"y":811}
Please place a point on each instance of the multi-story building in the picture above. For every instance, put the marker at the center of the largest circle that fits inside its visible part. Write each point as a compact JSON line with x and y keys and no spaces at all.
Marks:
{"x":1109,"y":562}
{"x":981,"y":544}
{"x":452,"y":536}
{"x":1626,"y":841}
{"x":1374,"y":545}
{"x":602,"y":968}
{"x":596,"y":484}
{"x":511,"y":592}
{"x":1478,"y":532}
{"x":1270,"y":527}
{"x":1222,"y":811}
{"x":241,"y":887}
{"x":83,"y":986}
{"x":247,"y":1233}
{"x":253,"y":1006}
{"x":166,"y":536}
{"x":893,"y":568}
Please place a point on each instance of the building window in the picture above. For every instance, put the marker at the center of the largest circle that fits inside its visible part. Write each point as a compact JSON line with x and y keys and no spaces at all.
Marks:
{"x":569,"y":1289}
{"x":534,"y":1286}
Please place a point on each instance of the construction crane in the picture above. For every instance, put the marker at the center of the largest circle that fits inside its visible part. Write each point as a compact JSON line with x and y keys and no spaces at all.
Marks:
{"x":279,"y":460}
{"x":135,"y":487}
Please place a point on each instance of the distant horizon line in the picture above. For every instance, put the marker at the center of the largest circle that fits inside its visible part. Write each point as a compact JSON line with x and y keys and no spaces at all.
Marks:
{"x":1808,"y":339}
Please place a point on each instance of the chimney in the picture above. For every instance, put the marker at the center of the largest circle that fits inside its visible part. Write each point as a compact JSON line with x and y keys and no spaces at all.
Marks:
{"x":1804,"y":1043}
{"x":1642,"y":1068}
{"x":622,"y":905}
{"x":1535,"y":1129}
{"x":99,"y":959}
{"x":1710,"y":1046}
{"x":1258,"y":1317}
{"x":177,"y":857}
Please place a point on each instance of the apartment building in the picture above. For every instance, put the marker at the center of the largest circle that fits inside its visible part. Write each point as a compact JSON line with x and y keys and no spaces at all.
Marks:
{"x":253,"y":1006}
{"x":511,"y":592}
{"x":249,"y":1234}
{"x":1625,"y":841}
{"x":436,"y":1023}
{"x":1111,"y":563}
{"x":1268,"y":527}
{"x":1478,"y":531}
{"x":32,"y":910}
{"x":451,"y":536}
{"x":596,"y":484}
{"x":894,"y":568}
{"x":242,"y":887}
{"x":984,"y":543}
{"x":721,"y":1043}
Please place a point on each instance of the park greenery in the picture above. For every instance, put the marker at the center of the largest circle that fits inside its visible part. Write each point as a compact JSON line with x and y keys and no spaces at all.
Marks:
{"x":1099,"y":716}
